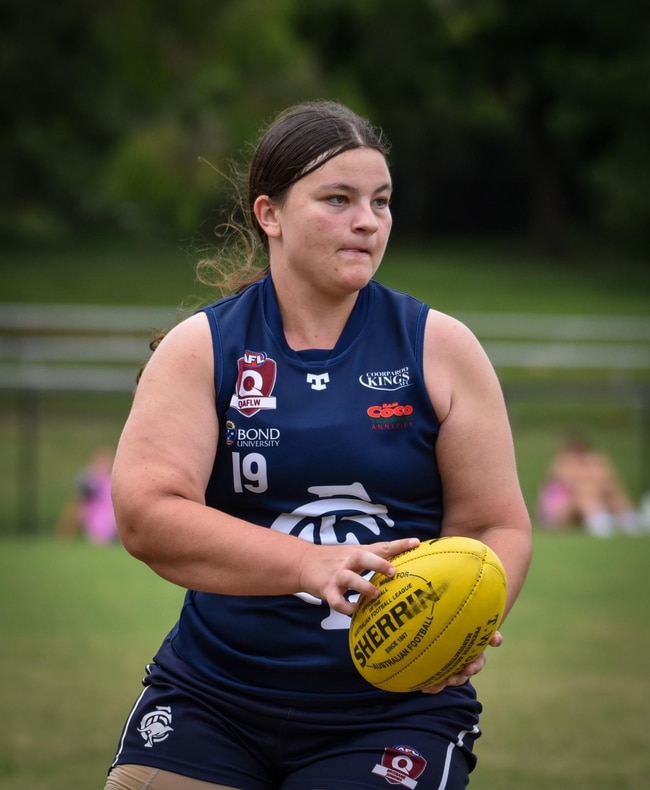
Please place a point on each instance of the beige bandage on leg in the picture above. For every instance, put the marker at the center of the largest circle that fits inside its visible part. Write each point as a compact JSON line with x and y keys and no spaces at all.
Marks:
{"x":142,"y":777}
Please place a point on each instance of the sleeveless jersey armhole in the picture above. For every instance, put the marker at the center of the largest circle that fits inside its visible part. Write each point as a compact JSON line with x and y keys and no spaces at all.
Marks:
{"x":217,"y":354}
{"x":419,"y":349}
{"x":419,"y":335}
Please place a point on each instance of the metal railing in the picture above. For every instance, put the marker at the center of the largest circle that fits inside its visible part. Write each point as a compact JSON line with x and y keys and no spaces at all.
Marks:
{"x":66,"y":349}
{"x":91,"y":347}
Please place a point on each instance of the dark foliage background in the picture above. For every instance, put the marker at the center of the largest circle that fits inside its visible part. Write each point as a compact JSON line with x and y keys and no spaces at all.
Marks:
{"x":507,"y":118}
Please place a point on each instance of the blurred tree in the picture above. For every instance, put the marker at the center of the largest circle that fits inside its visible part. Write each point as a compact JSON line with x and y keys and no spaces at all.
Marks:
{"x":52,"y":130}
{"x":573,"y":76}
{"x":219,"y":69}
{"x":110,"y":105}
{"x":505,"y":116}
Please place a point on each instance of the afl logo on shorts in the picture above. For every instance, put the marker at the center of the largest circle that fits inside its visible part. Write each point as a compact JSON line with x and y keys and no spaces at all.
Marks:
{"x":155,"y":726}
{"x":401,"y":765}
{"x":255,"y":381}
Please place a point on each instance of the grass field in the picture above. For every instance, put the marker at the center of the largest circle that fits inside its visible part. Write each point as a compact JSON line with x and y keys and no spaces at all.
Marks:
{"x":567,"y":698}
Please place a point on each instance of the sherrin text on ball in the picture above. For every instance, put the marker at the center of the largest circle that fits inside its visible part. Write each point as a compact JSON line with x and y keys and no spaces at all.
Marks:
{"x":436,"y":615}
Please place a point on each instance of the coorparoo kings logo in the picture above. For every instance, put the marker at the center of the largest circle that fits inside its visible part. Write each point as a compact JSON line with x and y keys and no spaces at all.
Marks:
{"x":341,"y":514}
{"x":255,"y":381}
{"x":155,"y":726}
{"x":386,"y":380}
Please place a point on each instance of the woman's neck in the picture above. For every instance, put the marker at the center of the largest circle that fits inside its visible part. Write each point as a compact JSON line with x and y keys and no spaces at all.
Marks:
{"x":311,"y":321}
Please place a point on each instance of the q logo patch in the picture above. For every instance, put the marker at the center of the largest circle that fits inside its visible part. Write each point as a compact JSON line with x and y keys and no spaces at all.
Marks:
{"x":255,"y":381}
{"x":401,"y":765}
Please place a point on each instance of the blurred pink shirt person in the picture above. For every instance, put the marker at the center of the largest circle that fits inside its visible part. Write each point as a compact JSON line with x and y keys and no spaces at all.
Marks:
{"x":91,"y":508}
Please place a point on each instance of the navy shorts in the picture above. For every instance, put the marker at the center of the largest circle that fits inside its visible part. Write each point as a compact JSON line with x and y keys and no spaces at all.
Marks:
{"x":181,"y":724}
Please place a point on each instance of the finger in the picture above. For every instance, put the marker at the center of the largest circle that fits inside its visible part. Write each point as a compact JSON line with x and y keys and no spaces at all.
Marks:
{"x":435,"y":689}
{"x":395,"y":547}
{"x":381,"y":552}
{"x":459,"y":679}
{"x":475,"y":666}
{"x":342,"y":605}
{"x":353,"y":582}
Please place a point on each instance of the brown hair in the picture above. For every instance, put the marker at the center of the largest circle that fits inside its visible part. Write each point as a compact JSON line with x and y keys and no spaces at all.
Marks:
{"x":298,"y":141}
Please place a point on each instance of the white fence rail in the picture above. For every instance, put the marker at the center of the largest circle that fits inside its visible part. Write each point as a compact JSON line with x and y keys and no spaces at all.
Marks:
{"x":76,"y":347}
{"x":49,"y":349}
{"x":100,"y":348}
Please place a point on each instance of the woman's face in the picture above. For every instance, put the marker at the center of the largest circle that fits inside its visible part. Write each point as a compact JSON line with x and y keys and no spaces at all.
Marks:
{"x":333,"y":225}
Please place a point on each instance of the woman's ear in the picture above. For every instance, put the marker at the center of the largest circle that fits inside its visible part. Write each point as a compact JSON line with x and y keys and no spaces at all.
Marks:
{"x":267,"y":214}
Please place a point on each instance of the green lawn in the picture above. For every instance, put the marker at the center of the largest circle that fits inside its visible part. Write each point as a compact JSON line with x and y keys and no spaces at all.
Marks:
{"x":567,"y":697}
{"x":568,"y":702}
{"x":451,"y":276}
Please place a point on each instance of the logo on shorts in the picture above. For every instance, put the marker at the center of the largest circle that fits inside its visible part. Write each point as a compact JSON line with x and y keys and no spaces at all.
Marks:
{"x":401,"y":765}
{"x":155,"y":726}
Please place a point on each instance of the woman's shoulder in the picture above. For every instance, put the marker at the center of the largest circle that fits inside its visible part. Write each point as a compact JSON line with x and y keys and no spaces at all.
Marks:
{"x":387,"y":292}
{"x":451,"y":330}
{"x":231,"y":301}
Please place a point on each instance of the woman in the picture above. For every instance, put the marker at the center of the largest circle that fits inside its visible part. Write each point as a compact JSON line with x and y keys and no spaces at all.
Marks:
{"x":257,"y":471}
{"x":90,"y":509}
{"x":584,"y":489}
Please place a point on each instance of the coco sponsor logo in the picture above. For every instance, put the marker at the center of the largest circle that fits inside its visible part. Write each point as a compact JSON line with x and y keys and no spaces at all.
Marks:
{"x":388,"y":380}
{"x":390,"y":416}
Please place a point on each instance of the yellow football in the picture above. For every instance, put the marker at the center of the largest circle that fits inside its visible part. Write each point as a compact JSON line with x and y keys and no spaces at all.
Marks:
{"x":435,"y":616}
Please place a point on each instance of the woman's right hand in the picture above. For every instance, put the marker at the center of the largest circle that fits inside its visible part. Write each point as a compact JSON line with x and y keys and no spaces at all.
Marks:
{"x":331,"y":572}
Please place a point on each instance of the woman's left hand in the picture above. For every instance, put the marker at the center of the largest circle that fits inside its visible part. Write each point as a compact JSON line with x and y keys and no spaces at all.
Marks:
{"x":467,"y":672}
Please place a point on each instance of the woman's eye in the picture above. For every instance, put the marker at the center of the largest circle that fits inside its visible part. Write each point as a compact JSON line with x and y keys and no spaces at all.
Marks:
{"x":337,"y":200}
{"x":382,"y":202}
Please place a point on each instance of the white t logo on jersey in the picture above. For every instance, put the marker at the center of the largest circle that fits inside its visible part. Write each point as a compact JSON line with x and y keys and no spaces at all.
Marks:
{"x":318,"y":381}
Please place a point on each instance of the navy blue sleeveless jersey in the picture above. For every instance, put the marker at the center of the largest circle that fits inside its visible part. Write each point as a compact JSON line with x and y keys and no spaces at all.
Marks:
{"x":333,"y":447}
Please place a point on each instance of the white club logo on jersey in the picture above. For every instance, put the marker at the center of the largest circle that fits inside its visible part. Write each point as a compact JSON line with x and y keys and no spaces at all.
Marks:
{"x":341,"y":515}
{"x":318,"y":381}
{"x":156,"y":725}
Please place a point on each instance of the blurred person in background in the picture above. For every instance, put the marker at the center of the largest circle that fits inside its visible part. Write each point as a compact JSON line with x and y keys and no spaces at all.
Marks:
{"x":89,"y":511}
{"x":583,"y":489}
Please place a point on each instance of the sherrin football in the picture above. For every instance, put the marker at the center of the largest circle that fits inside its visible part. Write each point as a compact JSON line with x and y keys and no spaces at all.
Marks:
{"x":437,"y":614}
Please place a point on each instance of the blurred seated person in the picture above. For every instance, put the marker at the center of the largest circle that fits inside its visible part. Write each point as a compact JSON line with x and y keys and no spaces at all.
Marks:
{"x":583,"y":489}
{"x":89,"y":511}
